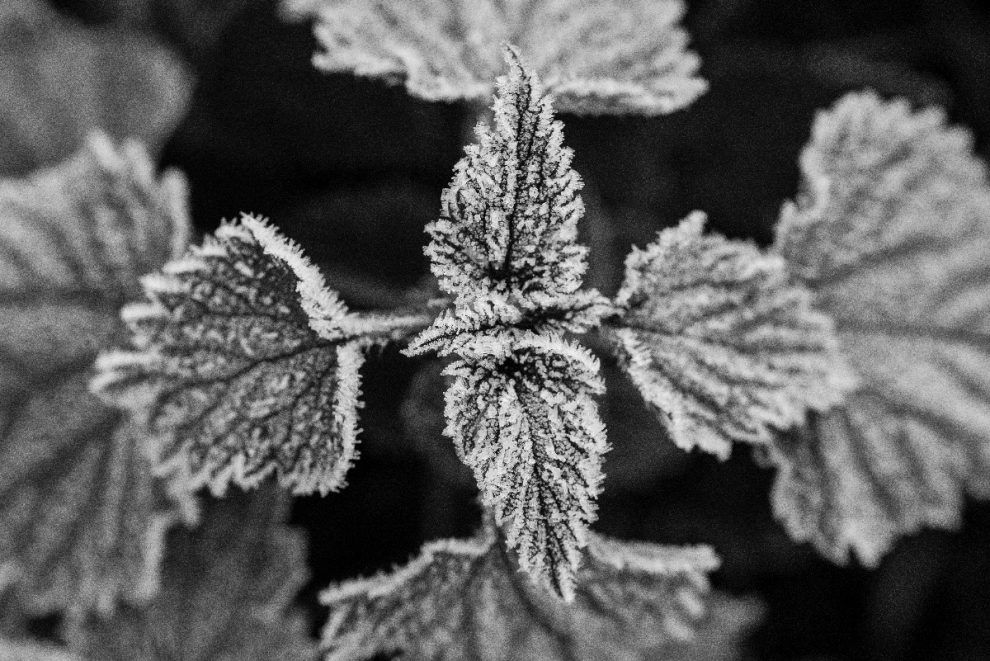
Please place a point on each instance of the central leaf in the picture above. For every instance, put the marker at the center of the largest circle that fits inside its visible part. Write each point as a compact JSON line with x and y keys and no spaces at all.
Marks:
{"x":520,"y":410}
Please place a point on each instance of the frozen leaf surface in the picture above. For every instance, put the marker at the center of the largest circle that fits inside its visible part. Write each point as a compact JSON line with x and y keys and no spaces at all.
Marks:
{"x":505,"y":245}
{"x":245,"y":364}
{"x":520,"y":409}
{"x":719,"y":342}
{"x":526,"y":424}
{"x":60,"y":80}
{"x":892,"y":234}
{"x":464,"y":599}
{"x":227,"y":590}
{"x":597,"y":57}
{"x":80,"y":519}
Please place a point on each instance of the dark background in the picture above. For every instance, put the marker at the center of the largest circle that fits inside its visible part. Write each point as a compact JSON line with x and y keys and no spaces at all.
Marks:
{"x":353,"y":169}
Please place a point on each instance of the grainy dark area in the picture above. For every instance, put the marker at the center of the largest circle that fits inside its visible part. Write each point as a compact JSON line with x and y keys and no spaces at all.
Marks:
{"x":352,"y":169}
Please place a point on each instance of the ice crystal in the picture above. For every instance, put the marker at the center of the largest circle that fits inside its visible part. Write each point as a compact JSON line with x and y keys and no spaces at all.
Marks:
{"x":245,"y":364}
{"x":892,"y":234}
{"x":80,"y":517}
{"x":463,"y":599}
{"x":520,"y":409}
{"x":719,"y":342}
{"x":227,"y":589}
{"x":60,"y":80}
{"x":597,"y":57}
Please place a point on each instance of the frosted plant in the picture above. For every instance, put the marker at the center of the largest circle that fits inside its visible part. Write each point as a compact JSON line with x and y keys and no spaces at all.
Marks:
{"x":226,"y":593}
{"x":601,"y":57}
{"x":892,"y":235}
{"x":60,"y":79}
{"x":463,"y":599}
{"x":81,"y":519}
{"x":720,"y":342}
{"x":245,"y":365}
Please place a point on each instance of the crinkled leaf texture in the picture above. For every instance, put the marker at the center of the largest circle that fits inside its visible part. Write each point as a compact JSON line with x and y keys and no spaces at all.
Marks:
{"x":245,"y":364}
{"x":520,"y":409}
{"x":465,"y":599}
{"x":892,"y":234}
{"x":60,"y":80}
{"x":505,"y":245}
{"x":597,"y":56}
{"x":227,"y":590}
{"x":81,"y":519}
{"x":720,"y":343}
{"x":526,"y":424}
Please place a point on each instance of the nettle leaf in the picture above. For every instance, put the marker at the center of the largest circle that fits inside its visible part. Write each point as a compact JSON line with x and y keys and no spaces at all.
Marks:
{"x":81,"y":519}
{"x":605,"y":57}
{"x":463,"y":599}
{"x":526,"y":424}
{"x":892,"y":235}
{"x":246,"y":364}
{"x":227,"y":590}
{"x":719,"y":341}
{"x":520,"y":409}
{"x":505,"y":245}
{"x":60,"y":79}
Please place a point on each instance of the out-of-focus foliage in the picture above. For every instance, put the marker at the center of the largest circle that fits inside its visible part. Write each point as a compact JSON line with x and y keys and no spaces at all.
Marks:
{"x":227,"y":590}
{"x":13,"y":650}
{"x":81,"y":520}
{"x":892,"y":233}
{"x":596,"y":57}
{"x":465,"y":599}
{"x":194,"y":26}
{"x":720,"y":344}
{"x":59,"y":80}
{"x":245,"y":364}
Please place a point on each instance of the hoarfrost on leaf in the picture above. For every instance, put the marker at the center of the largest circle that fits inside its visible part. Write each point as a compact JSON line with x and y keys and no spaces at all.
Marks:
{"x":80,"y":515}
{"x":245,"y":364}
{"x":720,"y":343}
{"x":60,"y":80}
{"x":505,"y":246}
{"x":526,"y":424}
{"x":891,"y":233}
{"x":465,"y":599}
{"x":520,"y":409}
{"x":227,"y":590}
{"x":596,"y":56}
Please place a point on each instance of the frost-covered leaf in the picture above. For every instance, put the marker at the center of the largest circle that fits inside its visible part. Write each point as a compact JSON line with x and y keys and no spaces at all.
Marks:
{"x":892,"y":234}
{"x":80,"y":518}
{"x":464,"y":599}
{"x":59,"y":80}
{"x":505,"y":245}
{"x":720,"y":343}
{"x":598,"y":57}
{"x":227,"y":590}
{"x":246,"y":364}
{"x":526,"y":424}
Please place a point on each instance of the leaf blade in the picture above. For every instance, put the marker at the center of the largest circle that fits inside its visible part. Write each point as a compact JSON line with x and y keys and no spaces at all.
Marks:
{"x":890,"y":235}
{"x":245,"y":364}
